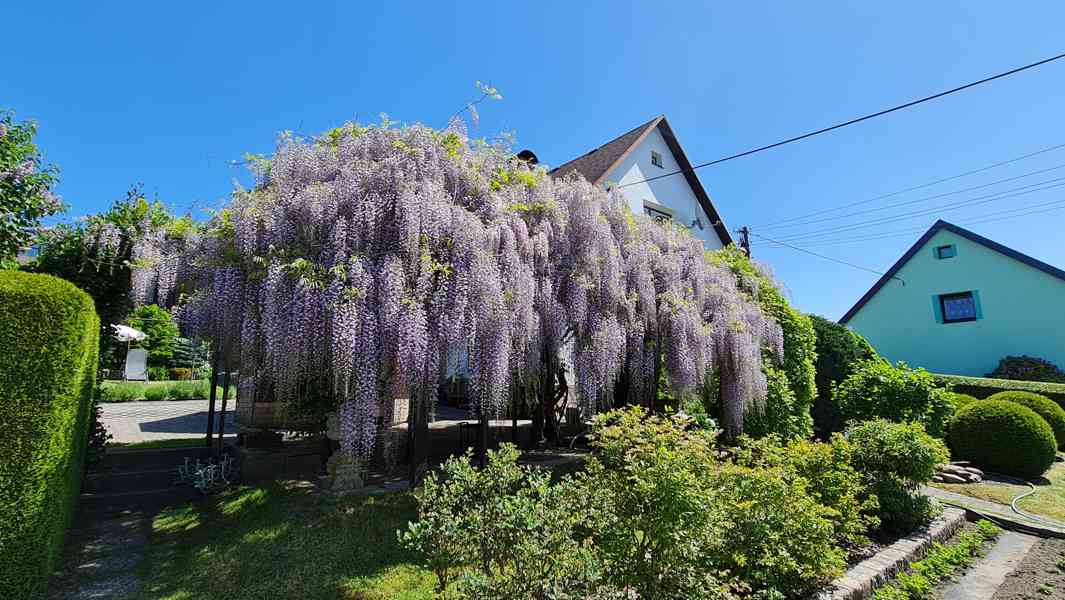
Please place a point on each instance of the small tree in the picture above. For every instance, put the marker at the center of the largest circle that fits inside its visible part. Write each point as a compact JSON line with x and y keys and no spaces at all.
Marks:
{"x":26,"y":183}
{"x":162,"y":333}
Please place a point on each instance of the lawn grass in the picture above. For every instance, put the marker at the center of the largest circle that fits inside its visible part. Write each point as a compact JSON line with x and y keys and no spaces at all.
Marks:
{"x":1048,"y":500}
{"x":282,"y":541}
{"x":156,"y":444}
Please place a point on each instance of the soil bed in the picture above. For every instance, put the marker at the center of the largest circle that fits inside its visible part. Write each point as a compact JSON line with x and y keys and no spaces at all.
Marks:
{"x":1040,"y":575}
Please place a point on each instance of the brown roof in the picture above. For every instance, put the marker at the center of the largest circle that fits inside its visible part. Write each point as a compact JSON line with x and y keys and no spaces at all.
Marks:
{"x":597,"y":164}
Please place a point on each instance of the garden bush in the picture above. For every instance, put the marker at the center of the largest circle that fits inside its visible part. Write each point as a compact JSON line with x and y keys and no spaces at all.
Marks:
{"x":981,"y":387}
{"x":1027,"y":368}
{"x":838,"y":351}
{"x":895,"y":460}
{"x":959,"y":400}
{"x":878,"y":389}
{"x":1004,"y":437}
{"x":1053,"y":414}
{"x":180,"y":374}
{"x":48,"y":352}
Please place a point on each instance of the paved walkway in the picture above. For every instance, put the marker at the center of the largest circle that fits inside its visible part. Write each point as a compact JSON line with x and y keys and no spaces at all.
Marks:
{"x":142,"y":421}
{"x":983,"y":579}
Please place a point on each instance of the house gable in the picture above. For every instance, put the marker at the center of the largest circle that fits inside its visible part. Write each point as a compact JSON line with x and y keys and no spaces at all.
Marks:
{"x":1014,"y":302}
{"x":627,"y":162}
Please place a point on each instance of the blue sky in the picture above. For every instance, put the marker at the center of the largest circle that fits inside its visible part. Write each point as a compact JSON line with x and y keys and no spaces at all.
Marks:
{"x":168,"y":94}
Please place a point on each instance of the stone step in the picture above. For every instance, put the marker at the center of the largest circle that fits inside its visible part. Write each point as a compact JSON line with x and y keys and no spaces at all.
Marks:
{"x":128,"y":481}
{"x":144,"y":460}
{"x":144,"y":499}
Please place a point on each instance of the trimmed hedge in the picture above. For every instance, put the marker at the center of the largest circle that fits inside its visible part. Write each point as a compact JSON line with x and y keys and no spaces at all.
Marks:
{"x":1004,"y":437}
{"x":838,"y":352}
{"x":959,"y":400}
{"x":1043,"y":406}
{"x":49,"y":335}
{"x":982,"y":387}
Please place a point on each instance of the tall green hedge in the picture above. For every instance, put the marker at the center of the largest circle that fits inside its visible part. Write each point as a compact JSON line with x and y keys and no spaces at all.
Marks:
{"x":792,"y":388}
{"x":982,"y":387}
{"x":49,"y":335}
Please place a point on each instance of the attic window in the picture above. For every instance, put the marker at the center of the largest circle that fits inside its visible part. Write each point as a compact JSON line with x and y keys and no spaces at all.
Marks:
{"x":660,"y":214}
{"x":948,"y":251}
{"x":656,"y":159}
{"x":958,"y":307}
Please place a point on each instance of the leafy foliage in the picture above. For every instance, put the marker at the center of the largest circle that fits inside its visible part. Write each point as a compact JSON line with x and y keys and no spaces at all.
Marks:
{"x":1003,"y":436}
{"x":48,"y":350}
{"x":1027,"y":368}
{"x":896,"y":459}
{"x":161,"y":333}
{"x":839,"y":350}
{"x":1053,"y":414}
{"x":26,"y":184}
{"x":919,"y":582}
{"x":878,"y":389}
{"x":791,"y":387}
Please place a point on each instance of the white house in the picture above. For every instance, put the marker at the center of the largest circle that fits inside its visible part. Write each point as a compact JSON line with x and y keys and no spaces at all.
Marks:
{"x":648,"y":151}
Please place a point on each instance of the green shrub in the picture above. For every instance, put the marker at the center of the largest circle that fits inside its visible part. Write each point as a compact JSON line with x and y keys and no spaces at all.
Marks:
{"x":48,"y":351}
{"x":1027,"y":368}
{"x":1053,"y":414}
{"x":981,"y":387}
{"x":878,"y":389}
{"x":158,"y":373}
{"x":156,"y":392}
{"x":838,"y":351}
{"x":162,"y":334}
{"x":895,"y":459}
{"x":1003,"y":436}
{"x":180,"y":374}
{"x":959,"y":400}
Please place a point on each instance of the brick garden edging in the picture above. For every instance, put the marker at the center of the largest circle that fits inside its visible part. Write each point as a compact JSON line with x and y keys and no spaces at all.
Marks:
{"x":860,"y":580}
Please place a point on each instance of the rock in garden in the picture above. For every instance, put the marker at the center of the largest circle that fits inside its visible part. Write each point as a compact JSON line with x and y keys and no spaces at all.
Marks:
{"x":952,"y":478}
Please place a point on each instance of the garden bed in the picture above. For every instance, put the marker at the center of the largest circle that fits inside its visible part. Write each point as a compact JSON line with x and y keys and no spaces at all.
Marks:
{"x":130,"y":391}
{"x":1040,"y":575}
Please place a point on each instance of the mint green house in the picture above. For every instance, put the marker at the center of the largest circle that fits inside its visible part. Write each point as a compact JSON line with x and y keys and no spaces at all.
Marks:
{"x":957,"y":302}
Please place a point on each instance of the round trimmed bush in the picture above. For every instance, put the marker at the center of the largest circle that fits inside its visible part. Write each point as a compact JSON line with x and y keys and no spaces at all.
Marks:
{"x":1043,"y":406}
{"x":959,"y":400}
{"x":1003,"y":436}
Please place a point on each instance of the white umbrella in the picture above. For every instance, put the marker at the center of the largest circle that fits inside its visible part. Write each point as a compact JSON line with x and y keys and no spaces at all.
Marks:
{"x":125,"y":333}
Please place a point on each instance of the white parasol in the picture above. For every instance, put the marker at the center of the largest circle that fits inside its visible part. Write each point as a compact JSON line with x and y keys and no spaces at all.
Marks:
{"x":124,"y":333}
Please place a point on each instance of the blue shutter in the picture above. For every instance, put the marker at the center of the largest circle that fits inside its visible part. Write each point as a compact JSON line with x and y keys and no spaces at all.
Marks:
{"x":937,"y":309}
{"x":976,"y":305}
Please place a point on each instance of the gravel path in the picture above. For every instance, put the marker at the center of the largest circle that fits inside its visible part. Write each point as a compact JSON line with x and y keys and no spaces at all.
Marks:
{"x":101,"y":557}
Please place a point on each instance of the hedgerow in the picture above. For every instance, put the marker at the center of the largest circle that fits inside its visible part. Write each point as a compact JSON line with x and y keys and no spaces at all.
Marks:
{"x":48,"y":353}
{"x":982,"y":387}
{"x":838,"y":352}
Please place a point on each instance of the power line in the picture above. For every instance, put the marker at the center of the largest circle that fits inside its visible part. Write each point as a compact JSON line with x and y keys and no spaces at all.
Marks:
{"x":916,"y":187}
{"x":835,"y":260}
{"x":855,"y":120}
{"x":918,"y":200}
{"x":1003,"y":195}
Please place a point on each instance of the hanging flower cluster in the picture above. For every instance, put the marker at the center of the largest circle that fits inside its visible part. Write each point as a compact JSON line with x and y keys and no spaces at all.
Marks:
{"x":367,"y":260}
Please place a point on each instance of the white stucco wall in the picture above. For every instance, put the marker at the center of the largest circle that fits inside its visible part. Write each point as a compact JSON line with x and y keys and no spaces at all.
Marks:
{"x":672,"y":192}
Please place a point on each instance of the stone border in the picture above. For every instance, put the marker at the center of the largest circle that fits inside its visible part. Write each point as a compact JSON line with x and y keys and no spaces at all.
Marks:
{"x":860,"y":580}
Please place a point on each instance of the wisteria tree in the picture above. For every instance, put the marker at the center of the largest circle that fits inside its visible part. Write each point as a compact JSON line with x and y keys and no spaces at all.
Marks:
{"x":26,"y":183}
{"x":366,"y":261}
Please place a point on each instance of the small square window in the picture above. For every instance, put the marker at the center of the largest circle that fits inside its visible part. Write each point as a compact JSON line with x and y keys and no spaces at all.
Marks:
{"x":958,"y":307}
{"x":656,"y":159}
{"x":948,"y":251}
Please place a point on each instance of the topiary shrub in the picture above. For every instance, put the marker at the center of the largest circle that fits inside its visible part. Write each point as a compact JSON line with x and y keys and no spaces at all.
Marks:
{"x":896,"y":459}
{"x":878,"y":389}
{"x":1027,"y":368}
{"x":48,"y":354}
{"x":1053,"y":414}
{"x":838,"y":352}
{"x":1003,"y":436}
{"x":959,"y":400}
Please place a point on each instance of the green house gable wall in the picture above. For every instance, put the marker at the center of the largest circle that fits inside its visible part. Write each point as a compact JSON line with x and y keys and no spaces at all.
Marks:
{"x":1021,"y":310}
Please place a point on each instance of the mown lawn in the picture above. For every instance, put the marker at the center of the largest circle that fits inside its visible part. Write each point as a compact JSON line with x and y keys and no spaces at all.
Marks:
{"x":280,"y":541}
{"x":1048,"y":500}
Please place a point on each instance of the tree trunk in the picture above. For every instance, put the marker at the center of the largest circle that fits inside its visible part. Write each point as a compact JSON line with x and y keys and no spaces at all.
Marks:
{"x":211,"y":395}
{"x":482,"y":445}
{"x":222,"y":414}
{"x":418,"y":436}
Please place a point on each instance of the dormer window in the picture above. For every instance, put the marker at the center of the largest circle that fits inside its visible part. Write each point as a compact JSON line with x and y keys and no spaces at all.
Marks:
{"x":656,"y":159}
{"x":660,"y":214}
{"x":948,"y":251}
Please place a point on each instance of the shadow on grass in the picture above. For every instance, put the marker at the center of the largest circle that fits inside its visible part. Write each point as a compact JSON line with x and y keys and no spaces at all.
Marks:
{"x":280,"y":541}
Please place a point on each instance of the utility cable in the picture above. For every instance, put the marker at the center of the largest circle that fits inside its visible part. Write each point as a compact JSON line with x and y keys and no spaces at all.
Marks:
{"x":855,"y":120}
{"x":835,"y":260}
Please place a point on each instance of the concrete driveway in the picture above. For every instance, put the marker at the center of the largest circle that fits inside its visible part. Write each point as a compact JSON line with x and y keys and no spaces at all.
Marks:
{"x":142,"y":421}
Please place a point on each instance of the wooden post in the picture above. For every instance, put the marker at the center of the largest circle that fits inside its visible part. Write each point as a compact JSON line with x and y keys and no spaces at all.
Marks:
{"x":482,"y":444}
{"x":419,"y":436}
{"x":211,"y":394}
{"x":222,"y":415}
